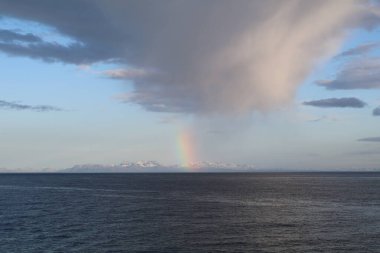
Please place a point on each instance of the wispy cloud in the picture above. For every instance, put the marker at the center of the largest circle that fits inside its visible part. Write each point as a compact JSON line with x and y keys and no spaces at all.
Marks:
{"x":21,"y":107}
{"x":360,"y":74}
{"x":337,"y":102}
{"x":323,"y":118}
{"x":371,"y":139}
{"x":376,"y":111}
{"x":207,"y":56}
{"x":359,"y":50}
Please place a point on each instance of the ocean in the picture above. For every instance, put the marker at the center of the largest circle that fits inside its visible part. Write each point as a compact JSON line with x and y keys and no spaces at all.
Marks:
{"x":189,"y":212}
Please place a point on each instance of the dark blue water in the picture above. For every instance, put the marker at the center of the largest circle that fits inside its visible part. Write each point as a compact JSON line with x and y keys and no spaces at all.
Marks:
{"x":311,"y":212}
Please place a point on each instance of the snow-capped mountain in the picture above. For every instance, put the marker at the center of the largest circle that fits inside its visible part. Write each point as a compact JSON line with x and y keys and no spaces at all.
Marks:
{"x":140,"y":166}
{"x":147,"y":164}
{"x":153,"y":166}
{"x":219,"y":165}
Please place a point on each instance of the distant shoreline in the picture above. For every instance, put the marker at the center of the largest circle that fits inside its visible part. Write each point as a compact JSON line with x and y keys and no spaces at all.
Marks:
{"x":200,"y":172}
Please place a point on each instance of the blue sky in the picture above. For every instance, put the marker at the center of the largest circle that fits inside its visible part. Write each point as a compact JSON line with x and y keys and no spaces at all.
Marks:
{"x":239,"y":108}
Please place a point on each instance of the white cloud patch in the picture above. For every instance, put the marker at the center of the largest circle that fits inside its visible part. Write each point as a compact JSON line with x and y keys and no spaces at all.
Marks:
{"x":124,"y":73}
{"x":224,"y":57}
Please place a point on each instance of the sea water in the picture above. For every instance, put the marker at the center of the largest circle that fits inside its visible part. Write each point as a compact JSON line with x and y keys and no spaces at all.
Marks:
{"x":256,"y":212}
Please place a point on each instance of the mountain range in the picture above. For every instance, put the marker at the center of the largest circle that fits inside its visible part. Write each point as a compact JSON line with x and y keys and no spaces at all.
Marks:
{"x":153,"y":166}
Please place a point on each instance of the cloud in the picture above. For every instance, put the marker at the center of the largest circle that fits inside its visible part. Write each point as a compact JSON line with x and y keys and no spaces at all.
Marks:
{"x":11,"y":36}
{"x":197,"y":56}
{"x":364,"y":153}
{"x":376,"y":111}
{"x":21,"y":107}
{"x":371,"y":139}
{"x":124,"y":73}
{"x":361,"y":74}
{"x":359,"y":50}
{"x":337,"y":102}
{"x":323,"y":118}
{"x":52,"y":52}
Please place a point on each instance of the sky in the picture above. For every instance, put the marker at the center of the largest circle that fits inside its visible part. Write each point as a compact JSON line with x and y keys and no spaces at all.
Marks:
{"x":276,"y":84}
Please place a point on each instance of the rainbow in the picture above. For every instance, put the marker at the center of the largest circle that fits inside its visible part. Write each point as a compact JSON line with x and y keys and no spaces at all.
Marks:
{"x":186,"y":149}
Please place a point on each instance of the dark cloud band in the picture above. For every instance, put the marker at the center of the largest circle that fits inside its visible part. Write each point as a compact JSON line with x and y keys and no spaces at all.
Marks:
{"x":371,"y":139}
{"x":11,"y":36}
{"x":337,"y":102}
{"x":376,"y":111}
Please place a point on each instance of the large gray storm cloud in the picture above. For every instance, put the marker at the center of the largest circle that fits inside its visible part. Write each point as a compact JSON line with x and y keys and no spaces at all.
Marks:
{"x":199,"y":56}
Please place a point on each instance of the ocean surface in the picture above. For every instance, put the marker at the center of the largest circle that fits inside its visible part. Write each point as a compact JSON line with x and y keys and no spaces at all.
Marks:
{"x":267,"y":212}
